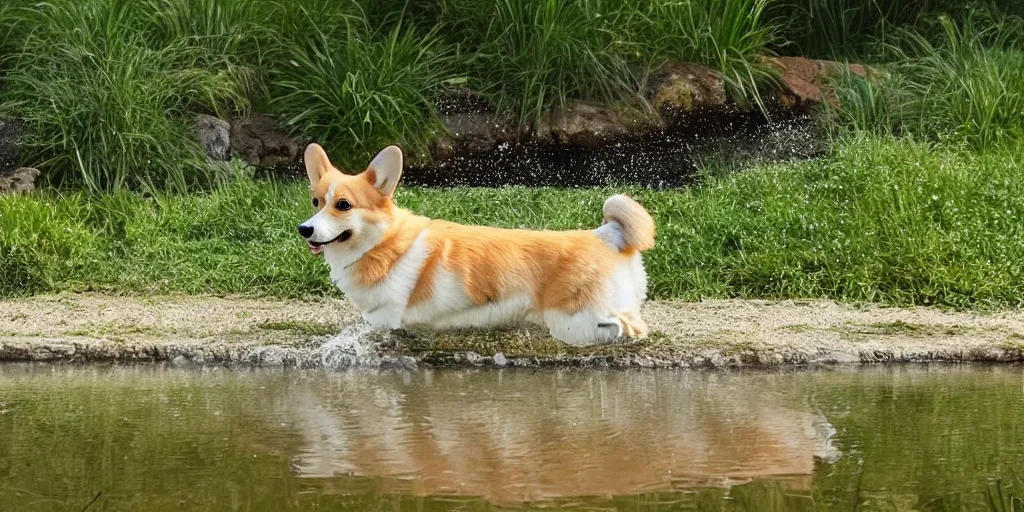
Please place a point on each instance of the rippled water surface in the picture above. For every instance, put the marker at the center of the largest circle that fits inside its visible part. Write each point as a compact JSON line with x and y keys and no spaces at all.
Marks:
{"x":157,"y":438}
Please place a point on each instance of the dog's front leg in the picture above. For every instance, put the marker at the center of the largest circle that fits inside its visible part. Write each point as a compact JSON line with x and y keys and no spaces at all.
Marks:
{"x":385,"y":316}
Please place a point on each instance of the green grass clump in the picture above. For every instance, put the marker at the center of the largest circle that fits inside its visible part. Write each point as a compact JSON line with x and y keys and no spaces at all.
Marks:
{"x":964,"y":86}
{"x":103,"y":107}
{"x":728,"y":36}
{"x":530,"y":55}
{"x":357,"y":90}
{"x":885,"y":221}
{"x":969,"y":86}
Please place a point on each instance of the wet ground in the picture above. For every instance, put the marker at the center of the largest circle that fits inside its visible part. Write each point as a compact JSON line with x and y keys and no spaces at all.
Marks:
{"x":158,"y":438}
{"x":720,"y":141}
{"x":716,"y":140}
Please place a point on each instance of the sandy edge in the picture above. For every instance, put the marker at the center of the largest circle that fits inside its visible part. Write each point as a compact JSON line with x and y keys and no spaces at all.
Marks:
{"x":310,"y":334}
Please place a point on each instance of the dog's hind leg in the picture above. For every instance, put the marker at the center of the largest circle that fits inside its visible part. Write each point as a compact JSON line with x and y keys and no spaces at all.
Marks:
{"x":584,"y":327}
{"x":632,"y":325}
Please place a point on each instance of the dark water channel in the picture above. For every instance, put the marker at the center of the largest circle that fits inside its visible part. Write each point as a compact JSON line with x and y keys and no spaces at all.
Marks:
{"x":720,"y":141}
{"x":159,"y":438}
{"x":715,"y":141}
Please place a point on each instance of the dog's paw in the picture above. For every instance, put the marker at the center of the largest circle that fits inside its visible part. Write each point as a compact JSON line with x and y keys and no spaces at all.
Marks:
{"x":383,"y":318}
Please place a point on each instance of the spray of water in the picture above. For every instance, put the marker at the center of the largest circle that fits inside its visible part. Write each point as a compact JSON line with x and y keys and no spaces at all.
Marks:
{"x":352,"y":347}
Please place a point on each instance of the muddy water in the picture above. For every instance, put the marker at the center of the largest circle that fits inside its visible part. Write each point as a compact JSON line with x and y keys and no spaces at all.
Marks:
{"x":158,"y":438}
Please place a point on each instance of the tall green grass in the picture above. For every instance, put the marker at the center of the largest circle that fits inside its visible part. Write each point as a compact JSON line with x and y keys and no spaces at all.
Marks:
{"x":108,"y":88}
{"x":879,"y":220}
{"x":356,"y":90}
{"x":104,"y":108}
{"x":964,"y":85}
{"x":969,"y":85}
{"x":530,"y":55}
{"x":853,"y":29}
{"x":841,"y":27}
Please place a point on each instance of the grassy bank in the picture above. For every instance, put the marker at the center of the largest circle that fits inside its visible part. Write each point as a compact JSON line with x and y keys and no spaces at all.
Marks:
{"x":107,"y":89}
{"x":879,"y":220}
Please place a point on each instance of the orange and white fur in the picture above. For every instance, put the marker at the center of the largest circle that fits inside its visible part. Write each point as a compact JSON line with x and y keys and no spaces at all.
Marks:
{"x":402,"y":269}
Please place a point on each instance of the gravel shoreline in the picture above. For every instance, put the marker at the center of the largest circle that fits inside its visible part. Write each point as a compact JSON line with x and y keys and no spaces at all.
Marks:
{"x":327,"y":333}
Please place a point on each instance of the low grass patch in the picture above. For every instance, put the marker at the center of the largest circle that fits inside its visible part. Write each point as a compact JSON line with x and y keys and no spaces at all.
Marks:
{"x":879,"y":220}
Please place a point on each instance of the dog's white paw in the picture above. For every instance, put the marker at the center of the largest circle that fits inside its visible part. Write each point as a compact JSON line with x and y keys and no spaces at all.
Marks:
{"x":383,"y":318}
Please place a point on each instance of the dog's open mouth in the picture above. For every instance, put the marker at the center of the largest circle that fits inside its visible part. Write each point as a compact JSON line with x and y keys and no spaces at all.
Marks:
{"x":318,"y":247}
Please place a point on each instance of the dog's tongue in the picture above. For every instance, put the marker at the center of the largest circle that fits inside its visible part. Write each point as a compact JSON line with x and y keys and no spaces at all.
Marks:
{"x":315,"y":249}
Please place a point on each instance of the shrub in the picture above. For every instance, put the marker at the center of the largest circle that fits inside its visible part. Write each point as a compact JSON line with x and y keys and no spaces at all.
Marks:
{"x":104,"y":109}
{"x":530,"y":55}
{"x":355,"y":90}
{"x":965,"y":86}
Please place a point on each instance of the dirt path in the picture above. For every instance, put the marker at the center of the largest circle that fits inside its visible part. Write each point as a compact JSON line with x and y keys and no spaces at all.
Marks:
{"x":272,"y":332}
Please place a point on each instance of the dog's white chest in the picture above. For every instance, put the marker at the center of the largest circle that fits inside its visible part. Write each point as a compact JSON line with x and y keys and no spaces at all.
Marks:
{"x":391,"y":292}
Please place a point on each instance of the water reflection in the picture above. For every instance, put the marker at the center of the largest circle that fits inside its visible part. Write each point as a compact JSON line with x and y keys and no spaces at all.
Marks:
{"x":153,"y":438}
{"x":519,"y":436}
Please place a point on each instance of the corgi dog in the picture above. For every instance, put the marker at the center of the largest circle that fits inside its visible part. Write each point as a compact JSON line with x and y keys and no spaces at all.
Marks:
{"x":402,"y":269}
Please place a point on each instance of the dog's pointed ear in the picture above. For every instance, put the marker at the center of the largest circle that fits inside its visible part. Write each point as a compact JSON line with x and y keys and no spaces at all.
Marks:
{"x":385,"y":170}
{"x":317,"y":163}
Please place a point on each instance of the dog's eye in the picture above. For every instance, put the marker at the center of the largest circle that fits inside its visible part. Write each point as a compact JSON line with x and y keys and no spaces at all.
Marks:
{"x":344,"y":205}
{"x":316,"y":203}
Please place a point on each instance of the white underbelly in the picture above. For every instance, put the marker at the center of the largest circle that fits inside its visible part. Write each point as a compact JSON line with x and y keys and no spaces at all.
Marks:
{"x":501,"y":312}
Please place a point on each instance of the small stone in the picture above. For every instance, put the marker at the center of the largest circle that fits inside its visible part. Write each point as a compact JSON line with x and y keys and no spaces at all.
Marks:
{"x":442,"y":148}
{"x":582,"y":124}
{"x":214,"y":136}
{"x":20,"y":181}
{"x":499,"y":359}
{"x":837,"y":357}
{"x":180,"y":361}
{"x":261,"y":142}
{"x":684,"y":87}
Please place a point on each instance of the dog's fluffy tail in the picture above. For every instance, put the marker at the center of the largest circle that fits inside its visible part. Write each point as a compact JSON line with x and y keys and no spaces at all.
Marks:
{"x":627,"y":225}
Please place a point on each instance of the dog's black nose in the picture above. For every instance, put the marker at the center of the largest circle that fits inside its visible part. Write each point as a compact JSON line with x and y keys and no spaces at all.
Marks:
{"x":305,"y":231}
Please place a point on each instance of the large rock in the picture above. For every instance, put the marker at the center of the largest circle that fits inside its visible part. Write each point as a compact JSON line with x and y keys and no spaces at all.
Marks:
{"x":681,"y":87}
{"x":470,"y":125}
{"x":476,"y":132}
{"x":19,"y":181}
{"x":804,"y":81}
{"x":582,"y":124}
{"x":261,"y":142}
{"x":680,"y":96}
{"x":214,"y":136}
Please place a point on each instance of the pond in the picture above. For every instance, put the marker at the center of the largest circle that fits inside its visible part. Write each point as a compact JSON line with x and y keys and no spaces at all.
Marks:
{"x":163,"y":438}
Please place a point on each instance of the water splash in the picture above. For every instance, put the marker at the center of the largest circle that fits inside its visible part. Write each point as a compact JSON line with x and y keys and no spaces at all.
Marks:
{"x":351,"y":347}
